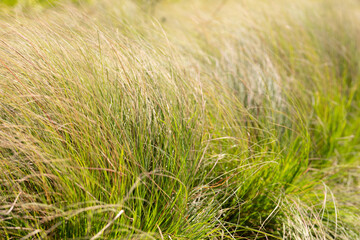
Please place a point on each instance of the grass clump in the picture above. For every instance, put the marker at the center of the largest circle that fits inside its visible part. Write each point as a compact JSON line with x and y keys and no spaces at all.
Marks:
{"x":201,"y":120}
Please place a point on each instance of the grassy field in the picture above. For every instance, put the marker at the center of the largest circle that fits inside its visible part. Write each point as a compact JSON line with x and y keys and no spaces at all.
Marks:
{"x":204,"y":119}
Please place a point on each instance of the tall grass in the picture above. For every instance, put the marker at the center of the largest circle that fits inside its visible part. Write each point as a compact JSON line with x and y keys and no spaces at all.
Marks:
{"x":194,"y":120}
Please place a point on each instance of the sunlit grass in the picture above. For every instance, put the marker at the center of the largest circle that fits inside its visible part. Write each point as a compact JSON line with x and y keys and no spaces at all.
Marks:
{"x":180,"y":120}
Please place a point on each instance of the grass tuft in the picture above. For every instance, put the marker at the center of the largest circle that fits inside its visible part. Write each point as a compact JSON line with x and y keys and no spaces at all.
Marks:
{"x":180,"y":120}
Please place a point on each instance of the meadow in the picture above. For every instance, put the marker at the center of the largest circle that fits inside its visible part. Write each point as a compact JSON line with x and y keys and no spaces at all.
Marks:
{"x":180,"y":119}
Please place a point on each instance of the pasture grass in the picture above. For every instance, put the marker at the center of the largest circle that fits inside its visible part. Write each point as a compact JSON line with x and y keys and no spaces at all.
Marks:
{"x":180,"y":120}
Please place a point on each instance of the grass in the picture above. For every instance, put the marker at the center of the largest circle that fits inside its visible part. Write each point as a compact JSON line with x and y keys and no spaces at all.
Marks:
{"x":180,"y":120}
